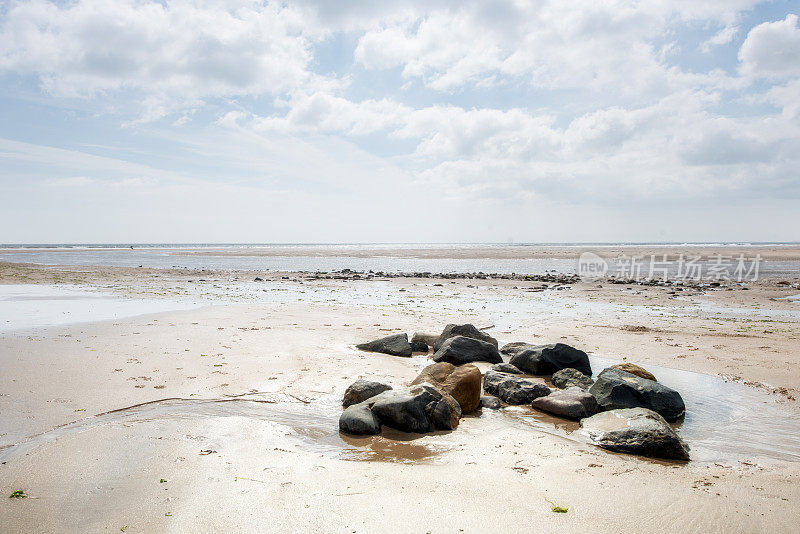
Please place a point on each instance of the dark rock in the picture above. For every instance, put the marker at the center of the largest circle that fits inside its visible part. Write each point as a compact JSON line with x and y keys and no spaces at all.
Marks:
{"x":463,"y":383}
{"x":570,"y":377}
{"x":420,"y":408}
{"x":547,"y":359}
{"x":618,"y":389}
{"x":490,"y":403}
{"x":458,"y":350}
{"x":361,"y":390}
{"x":428,"y":339}
{"x":506,"y":368}
{"x":510,"y":349}
{"x":635,"y":431}
{"x":573,"y":403}
{"x":513,"y":389}
{"x":416,"y":346}
{"x":396,"y":345}
{"x":466,"y":330}
{"x":258,"y":279}
{"x":359,"y":419}
{"x":634,"y":369}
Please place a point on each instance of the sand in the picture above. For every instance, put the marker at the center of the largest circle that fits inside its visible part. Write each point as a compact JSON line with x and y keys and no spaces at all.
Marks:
{"x":280,"y":464}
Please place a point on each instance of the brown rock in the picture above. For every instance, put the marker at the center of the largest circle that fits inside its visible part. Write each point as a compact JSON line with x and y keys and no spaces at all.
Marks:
{"x":462,"y":382}
{"x":634,"y":369}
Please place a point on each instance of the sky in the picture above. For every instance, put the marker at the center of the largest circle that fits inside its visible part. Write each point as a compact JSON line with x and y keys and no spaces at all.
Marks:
{"x":399,"y":121}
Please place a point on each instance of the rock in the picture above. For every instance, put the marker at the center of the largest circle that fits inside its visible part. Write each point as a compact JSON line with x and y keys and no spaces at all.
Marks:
{"x":359,"y":419}
{"x":428,"y":339}
{"x":615,"y":389}
{"x":547,"y":359}
{"x":258,"y":279}
{"x":570,"y":377}
{"x":396,"y":345}
{"x":466,"y":330}
{"x":634,"y":369}
{"x":513,"y":389}
{"x":635,"y":431}
{"x":573,"y":403}
{"x":490,"y":403}
{"x":458,"y":350}
{"x":463,"y":383}
{"x":361,"y":390}
{"x":416,"y":346}
{"x":510,"y":349}
{"x":420,"y":408}
{"x":506,"y":368}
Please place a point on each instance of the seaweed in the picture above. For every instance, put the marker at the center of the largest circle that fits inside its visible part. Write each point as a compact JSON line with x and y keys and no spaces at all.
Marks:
{"x":19,"y":494}
{"x":557,"y":509}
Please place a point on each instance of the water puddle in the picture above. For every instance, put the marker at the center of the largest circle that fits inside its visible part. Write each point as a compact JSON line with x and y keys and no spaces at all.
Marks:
{"x":315,"y":424}
{"x":724,"y":420}
{"x":27,"y":306}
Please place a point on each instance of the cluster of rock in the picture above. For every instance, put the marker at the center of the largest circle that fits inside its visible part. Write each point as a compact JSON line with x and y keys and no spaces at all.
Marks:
{"x":624,"y":409}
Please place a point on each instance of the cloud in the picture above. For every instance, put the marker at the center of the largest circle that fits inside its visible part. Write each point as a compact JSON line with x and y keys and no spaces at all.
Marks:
{"x":175,"y":54}
{"x":772,"y":50}
{"x":722,"y":37}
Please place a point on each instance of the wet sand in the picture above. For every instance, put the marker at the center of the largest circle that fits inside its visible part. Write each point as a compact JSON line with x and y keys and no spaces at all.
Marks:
{"x":256,"y":372}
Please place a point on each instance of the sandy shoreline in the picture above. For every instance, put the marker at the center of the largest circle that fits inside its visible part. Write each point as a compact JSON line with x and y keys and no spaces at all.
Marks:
{"x":281,"y":464}
{"x":788,"y":252}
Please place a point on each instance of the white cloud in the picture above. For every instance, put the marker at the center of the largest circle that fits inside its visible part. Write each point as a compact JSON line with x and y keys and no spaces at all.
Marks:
{"x":772,"y":50}
{"x":722,"y":37}
{"x":176,"y":53}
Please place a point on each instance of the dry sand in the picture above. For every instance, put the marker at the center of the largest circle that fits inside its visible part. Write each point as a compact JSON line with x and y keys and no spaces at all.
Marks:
{"x":280,"y":464}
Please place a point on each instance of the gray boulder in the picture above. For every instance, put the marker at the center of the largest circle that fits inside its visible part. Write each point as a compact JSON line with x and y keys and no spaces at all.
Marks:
{"x":396,"y":345}
{"x":547,"y":359}
{"x":506,"y":368}
{"x":510,"y":349}
{"x":361,"y":390}
{"x":615,"y":389}
{"x":570,"y":377}
{"x":635,"y":431}
{"x":513,"y":389}
{"x":359,"y":419}
{"x":459,"y":350}
{"x":490,"y":403}
{"x":420,"y":408}
{"x":466,"y":330}
{"x":573,"y":403}
{"x":428,"y":339}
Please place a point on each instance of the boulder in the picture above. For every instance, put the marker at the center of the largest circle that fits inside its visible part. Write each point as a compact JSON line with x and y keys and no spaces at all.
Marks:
{"x":573,"y":403}
{"x":510,"y":349}
{"x":506,"y":368}
{"x":416,"y":346}
{"x":428,"y":339}
{"x":359,"y":419}
{"x":490,"y":403}
{"x":462,"y":382}
{"x":547,"y":359}
{"x":634,"y":369}
{"x":513,"y":389}
{"x":420,"y":408}
{"x":635,"y":431}
{"x":615,"y":389}
{"x":396,"y":345}
{"x":466,"y":330}
{"x":458,"y":350}
{"x":570,"y":377}
{"x":361,"y":390}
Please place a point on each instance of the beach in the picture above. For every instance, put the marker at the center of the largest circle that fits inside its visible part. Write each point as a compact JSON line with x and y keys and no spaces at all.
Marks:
{"x":194,"y":399}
